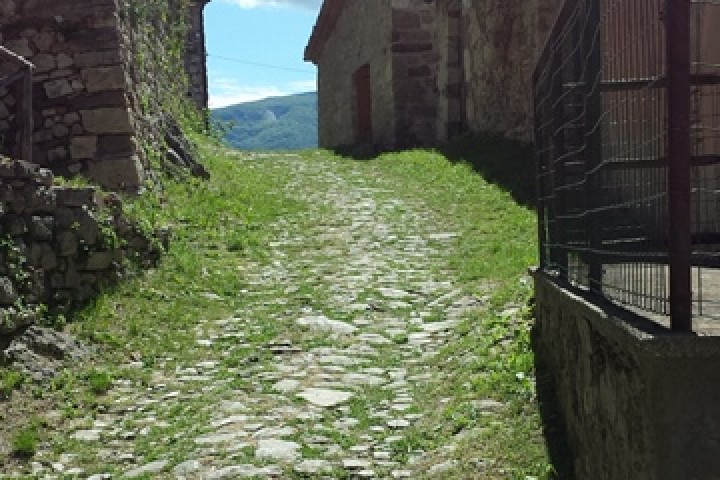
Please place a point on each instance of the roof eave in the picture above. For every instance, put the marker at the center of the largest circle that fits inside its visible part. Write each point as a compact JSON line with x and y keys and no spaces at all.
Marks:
{"x":325,"y":25}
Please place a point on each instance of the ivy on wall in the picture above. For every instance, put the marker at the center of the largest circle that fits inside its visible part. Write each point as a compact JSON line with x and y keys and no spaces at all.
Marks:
{"x":156,"y":34}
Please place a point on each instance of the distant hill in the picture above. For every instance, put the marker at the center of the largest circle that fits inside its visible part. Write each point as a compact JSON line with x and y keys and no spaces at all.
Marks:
{"x":280,"y":123}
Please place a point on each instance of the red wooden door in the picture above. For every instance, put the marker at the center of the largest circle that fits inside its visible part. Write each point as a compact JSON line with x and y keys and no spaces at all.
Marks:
{"x":363,"y":95}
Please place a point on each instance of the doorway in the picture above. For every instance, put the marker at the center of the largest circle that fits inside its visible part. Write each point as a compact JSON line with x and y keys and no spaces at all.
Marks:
{"x":363,"y":107}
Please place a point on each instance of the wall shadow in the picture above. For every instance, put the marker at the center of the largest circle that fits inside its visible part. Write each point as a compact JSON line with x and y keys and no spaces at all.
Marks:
{"x":554,"y":429}
{"x":507,"y":163}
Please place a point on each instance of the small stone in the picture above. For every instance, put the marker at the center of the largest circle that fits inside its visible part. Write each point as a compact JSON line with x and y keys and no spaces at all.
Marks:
{"x":442,"y":467}
{"x":397,"y":424}
{"x":153,"y":467}
{"x":187,"y":467}
{"x":322,"y":397}
{"x":345,"y":423}
{"x":87,"y":435}
{"x":401,"y":474}
{"x":313,"y":467}
{"x":356,"y":464}
{"x":279,"y":450}
{"x":286,"y":386}
{"x":243,"y":471}
{"x":275,"y":432}
{"x":488,"y":405}
{"x":217,"y":438}
{"x":321,"y":322}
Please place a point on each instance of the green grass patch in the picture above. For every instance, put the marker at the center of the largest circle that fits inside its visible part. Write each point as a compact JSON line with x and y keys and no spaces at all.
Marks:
{"x":481,"y":187}
{"x":9,"y":381}
{"x":24,"y":442}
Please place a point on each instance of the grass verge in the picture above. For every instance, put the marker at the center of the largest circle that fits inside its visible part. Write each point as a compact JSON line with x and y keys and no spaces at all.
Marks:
{"x":484,"y":421}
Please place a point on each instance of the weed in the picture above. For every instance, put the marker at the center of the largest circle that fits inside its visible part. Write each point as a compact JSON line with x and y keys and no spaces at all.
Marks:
{"x":25,"y":441}
{"x":99,"y":382}
{"x":9,"y":381}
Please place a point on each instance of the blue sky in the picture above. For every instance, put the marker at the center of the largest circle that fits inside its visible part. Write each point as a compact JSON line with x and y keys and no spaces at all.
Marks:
{"x":246,"y":37}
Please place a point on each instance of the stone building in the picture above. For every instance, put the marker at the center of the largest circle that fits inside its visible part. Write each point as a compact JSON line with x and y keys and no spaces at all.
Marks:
{"x":196,"y":54}
{"x":89,"y":106}
{"x":400,"y":73}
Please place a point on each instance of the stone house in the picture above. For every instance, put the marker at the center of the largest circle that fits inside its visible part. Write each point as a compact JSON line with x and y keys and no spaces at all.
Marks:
{"x":87,"y":93}
{"x":402,"y":73}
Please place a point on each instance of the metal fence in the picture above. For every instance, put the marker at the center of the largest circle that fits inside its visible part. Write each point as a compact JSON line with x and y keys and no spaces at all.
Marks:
{"x":627,"y":129}
{"x":16,"y":76}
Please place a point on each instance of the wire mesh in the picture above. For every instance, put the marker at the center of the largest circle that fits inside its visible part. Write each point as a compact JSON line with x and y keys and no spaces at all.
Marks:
{"x":601,"y":121}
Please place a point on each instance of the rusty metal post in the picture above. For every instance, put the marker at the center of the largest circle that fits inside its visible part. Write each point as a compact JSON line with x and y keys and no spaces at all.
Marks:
{"x":593,"y":139}
{"x":557,"y":234}
{"x":677,"y":25}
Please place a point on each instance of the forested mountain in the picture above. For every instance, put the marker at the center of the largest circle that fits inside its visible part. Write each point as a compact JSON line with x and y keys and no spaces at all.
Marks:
{"x":279,"y":123}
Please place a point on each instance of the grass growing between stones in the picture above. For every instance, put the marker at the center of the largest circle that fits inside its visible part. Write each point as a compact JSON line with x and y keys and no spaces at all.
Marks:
{"x":145,"y":326}
{"x":203,"y":329}
{"x":484,"y":420}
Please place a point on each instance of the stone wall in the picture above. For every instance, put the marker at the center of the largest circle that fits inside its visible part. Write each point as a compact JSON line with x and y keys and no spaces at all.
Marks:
{"x":639,"y":403}
{"x":110,"y":89}
{"x":83,"y":122}
{"x":450,"y":81}
{"x":501,"y":43}
{"x":103,"y":82}
{"x":455,"y":66}
{"x":58,"y":245}
{"x":416,"y":64}
{"x":352,"y":45}
{"x":196,"y":54}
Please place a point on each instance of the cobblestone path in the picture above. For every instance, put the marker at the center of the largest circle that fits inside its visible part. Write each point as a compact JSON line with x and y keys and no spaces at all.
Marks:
{"x":359,"y":302}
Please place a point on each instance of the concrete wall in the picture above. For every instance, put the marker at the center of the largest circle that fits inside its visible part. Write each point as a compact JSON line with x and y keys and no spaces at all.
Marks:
{"x":639,"y":403}
{"x":353,"y":44}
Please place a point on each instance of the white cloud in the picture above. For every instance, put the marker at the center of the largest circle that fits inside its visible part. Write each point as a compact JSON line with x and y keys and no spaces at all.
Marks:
{"x":227,"y":91}
{"x":304,"y":86}
{"x":307,"y":4}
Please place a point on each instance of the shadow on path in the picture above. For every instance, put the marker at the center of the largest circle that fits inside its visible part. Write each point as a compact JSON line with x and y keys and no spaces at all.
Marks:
{"x":506,"y":163}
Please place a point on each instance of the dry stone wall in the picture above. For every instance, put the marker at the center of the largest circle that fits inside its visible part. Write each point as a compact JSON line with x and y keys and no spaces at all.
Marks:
{"x":110,"y":93}
{"x":108,"y":76}
{"x":196,"y":53}
{"x":83,"y":122}
{"x":58,"y":245}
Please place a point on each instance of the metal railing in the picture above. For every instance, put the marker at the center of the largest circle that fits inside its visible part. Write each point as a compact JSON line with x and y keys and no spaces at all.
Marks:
{"x":627,"y":131}
{"x":21,"y":79}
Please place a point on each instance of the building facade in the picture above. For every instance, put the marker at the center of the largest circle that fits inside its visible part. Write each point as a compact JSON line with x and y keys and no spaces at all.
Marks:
{"x":402,"y":73}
